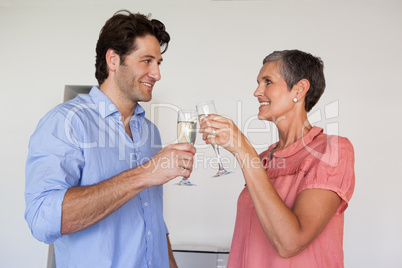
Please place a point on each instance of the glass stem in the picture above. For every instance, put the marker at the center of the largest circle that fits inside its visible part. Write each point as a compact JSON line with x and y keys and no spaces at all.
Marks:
{"x":216,"y":149}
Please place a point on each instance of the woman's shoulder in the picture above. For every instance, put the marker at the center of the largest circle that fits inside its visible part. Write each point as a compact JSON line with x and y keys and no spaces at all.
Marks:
{"x":333,"y":142}
{"x":330,"y":149}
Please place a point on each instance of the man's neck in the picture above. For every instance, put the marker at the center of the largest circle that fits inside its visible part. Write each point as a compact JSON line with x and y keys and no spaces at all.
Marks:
{"x":126,"y":107}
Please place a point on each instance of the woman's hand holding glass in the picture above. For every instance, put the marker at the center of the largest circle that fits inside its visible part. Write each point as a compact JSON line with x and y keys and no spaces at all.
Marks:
{"x":222,"y":131}
{"x":204,"y":109}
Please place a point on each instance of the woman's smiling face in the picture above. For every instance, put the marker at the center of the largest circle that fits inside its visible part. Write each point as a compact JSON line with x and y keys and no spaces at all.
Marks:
{"x":275,"y":99}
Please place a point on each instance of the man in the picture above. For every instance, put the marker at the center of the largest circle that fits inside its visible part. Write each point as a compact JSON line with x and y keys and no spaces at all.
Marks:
{"x":95,"y":166}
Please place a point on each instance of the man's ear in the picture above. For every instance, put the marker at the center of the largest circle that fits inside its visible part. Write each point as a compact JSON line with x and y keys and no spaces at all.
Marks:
{"x":112,"y":59}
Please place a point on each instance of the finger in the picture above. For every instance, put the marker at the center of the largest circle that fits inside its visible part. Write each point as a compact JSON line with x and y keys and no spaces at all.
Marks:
{"x":207,"y":135}
{"x":184,"y":159}
{"x":216,"y":124}
{"x":206,"y":118}
{"x":182,"y":155}
{"x":211,"y":140}
{"x":214,"y":119}
{"x":168,"y":146}
{"x":209,"y":127}
{"x":204,"y":136}
{"x":204,"y":124}
{"x":184,"y":172}
{"x":220,"y":118}
{"x":185,"y":163}
{"x":210,"y":131}
{"x":188,"y":147}
{"x":211,"y":121}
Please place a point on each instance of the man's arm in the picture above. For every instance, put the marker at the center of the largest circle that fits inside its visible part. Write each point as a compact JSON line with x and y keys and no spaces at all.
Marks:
{"x":172,"y":261}
{"x":86,"y":205}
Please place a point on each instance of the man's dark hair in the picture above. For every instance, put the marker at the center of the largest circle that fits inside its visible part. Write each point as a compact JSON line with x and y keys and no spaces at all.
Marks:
{"x":295,"y":65}
{"x":120,"y":32}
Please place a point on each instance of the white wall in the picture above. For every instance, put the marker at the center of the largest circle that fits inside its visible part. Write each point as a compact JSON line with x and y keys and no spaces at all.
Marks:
{"x":215,"y":53}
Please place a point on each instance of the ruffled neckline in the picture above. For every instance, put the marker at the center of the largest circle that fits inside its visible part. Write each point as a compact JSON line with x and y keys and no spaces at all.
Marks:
{"x":286,"y":161}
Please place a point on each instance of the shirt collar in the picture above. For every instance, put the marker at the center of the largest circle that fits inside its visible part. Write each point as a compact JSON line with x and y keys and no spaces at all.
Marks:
{"x":298,"y":145}
{"x":106,"y":107}
{"x":139,"y":113}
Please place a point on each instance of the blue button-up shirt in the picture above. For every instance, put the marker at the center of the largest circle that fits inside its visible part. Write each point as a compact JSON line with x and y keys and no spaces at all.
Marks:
{"x":83,"y":142}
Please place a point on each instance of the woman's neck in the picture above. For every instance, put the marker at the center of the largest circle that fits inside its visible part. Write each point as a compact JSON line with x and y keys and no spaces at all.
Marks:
{"x":291,"y":131}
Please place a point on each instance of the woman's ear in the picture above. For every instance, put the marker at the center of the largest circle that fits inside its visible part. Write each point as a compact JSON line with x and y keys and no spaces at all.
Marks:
{"x":112,"y":60}
{"x":301,"y":88}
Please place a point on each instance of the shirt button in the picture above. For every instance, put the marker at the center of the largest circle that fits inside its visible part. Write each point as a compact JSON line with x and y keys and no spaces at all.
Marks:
{"x":146,"y":204}
{"x":111,"y":107}
{"x":149,"y":232}
{"x":150,"y":263}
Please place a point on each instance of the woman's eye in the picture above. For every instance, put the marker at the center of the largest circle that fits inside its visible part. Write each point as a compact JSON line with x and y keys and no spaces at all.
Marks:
{"x":268,"y":82}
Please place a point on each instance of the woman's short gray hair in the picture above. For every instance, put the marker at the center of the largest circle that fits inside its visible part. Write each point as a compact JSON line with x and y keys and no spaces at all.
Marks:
{"x":295,"y":65}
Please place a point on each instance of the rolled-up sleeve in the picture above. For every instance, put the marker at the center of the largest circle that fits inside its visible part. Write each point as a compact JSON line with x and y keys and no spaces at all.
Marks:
{"x":54,"y":164}
{"x":333,"y":171}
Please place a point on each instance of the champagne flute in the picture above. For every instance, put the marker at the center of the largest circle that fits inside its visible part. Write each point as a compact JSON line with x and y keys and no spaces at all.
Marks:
{"x":203,"y":110}
{"x":186,"y":132}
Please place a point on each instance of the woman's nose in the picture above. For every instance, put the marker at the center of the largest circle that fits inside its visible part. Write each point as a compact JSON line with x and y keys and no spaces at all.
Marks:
{"x":258,"y":92}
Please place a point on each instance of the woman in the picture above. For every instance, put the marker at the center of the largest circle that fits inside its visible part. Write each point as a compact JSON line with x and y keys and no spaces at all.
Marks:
{"x":290,"y":213}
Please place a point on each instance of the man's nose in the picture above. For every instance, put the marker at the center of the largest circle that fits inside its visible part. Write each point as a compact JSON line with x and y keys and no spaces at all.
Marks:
{"x":155,"y":73}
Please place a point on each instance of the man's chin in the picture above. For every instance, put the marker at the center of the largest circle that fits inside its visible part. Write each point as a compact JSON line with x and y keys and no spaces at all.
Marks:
{"x":146,"y":98}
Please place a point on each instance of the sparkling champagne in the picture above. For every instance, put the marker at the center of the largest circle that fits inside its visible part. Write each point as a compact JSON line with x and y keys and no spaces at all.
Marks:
{"x":186,"y":131}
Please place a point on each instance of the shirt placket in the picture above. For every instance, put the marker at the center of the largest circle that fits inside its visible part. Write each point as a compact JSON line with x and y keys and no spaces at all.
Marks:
{"x":144,"y":197}
{"x":146,"y":208}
